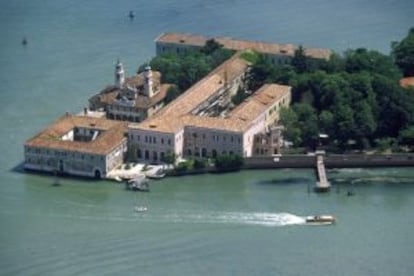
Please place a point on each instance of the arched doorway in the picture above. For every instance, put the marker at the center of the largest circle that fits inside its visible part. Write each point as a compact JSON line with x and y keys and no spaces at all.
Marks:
{"x":97,"y":174}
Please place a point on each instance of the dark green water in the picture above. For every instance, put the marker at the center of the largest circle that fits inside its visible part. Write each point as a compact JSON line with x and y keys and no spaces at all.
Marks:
{"x":241,"y":223}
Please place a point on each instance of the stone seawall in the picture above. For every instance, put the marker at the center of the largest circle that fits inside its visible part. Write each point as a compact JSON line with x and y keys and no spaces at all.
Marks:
{"x":331,"y":161}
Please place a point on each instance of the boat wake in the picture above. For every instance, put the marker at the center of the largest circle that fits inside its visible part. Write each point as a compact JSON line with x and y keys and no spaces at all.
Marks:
{"x":266,"y":219}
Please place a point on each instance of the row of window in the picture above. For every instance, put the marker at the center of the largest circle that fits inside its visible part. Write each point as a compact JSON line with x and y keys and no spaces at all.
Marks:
{"x":64,"y":154}
{"x":120,"y":108}
{"x":151,"y":139}
{"x":146,"y":155}
{"x":215,"y":137}
{"x":278,"y":105}
{"x":63,"y":166}
{"x":129,"y":118}
{"x":204,"y":153}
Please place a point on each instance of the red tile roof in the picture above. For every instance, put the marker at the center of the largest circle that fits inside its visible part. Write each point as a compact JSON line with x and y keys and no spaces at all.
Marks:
{"x":237,"y":44}
{"x":112,"y":134}
{"x":407,"y":82}
{"x":109,"y":95}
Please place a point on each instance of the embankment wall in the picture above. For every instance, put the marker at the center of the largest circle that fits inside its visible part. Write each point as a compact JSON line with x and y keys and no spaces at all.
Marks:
{"x":331,"y":161}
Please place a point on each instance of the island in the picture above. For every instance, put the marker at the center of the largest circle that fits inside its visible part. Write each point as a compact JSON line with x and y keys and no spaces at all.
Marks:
{"x":236,"y":103}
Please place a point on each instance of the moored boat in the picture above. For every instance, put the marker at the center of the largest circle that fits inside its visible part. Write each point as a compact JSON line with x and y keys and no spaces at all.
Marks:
{"x":157,"y":175}
{"x":138,"y":184}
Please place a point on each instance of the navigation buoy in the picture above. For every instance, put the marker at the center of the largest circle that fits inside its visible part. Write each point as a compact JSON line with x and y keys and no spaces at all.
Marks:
{"x":131,"y":15}
{"x":24,"y":41}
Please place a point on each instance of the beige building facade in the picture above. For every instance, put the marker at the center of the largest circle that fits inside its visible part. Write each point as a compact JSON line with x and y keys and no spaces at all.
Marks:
{"x":77,"y":145}
{"x":276,"y":53}
{"x":190,"y":127}
{"x":131,"y":99}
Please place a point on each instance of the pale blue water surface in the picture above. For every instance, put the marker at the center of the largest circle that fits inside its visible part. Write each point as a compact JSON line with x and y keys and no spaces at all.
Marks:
{"x":246,"y":223}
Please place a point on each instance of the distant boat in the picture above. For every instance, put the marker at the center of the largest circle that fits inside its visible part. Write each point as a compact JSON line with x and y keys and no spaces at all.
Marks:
{"x":320,"y":219}
{"x":131,"y":14}
{"x":24,"y":41}
{"x":138,"y":184}
{"x":140,"y":209}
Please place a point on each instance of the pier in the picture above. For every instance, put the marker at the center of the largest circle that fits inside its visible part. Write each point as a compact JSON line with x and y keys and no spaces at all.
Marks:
{"x":322,"y":185}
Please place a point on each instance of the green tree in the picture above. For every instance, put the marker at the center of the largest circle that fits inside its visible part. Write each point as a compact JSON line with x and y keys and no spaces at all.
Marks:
{"x":403,"y":53}
{"x":362,"y":59}
{"x":260,"y":72}
{"x":292,"y":131}
{"x":308,"y":123}
{"x":228,"y":162}
{"x":327,"y":123}
{"x":211,"y":46}
{"x":344,"y":122}
{"x":172,"y":93}
{"x":299,"y":60}
{"x":240,"y":96}
{"x":365,"y":124}
{"x":169,"y":158}
{"x":406,"y":136}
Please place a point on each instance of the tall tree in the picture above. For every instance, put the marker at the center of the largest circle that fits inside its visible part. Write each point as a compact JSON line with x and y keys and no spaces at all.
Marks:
{"x":299,"y":60}
{"x":292,"y":131}
{"x":403,"y":53}
{"x":308,"y":123}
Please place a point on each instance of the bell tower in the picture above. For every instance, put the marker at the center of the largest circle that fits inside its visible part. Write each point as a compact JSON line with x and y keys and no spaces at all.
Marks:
{"x":148,"y":82}
{"x":119,"y":74}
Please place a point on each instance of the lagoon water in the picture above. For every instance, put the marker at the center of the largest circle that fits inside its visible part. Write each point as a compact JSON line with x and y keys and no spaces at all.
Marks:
{"x":245,"y":223}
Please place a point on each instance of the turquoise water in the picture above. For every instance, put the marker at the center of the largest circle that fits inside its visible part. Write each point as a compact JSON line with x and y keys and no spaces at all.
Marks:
{"x":246,"y":223}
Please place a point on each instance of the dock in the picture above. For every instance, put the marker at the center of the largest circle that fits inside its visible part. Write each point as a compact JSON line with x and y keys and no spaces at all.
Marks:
{"x":322,"y":185}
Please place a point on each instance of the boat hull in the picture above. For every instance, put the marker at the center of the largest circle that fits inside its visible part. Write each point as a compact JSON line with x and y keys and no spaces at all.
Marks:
{"x":320,"y":220}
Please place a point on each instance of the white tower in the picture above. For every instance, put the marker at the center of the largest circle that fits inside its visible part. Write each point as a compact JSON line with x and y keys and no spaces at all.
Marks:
{"x":148,"y":81}
{"x":119,"y":75}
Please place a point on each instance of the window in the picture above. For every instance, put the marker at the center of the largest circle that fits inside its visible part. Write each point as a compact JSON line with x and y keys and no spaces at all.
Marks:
{"x":162,"y":140}
{"x":169,"y":141}
{"x":154,"y":140}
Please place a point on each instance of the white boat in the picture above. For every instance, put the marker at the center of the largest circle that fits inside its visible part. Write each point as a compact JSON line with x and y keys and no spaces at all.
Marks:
{"x":320,"y":219}
{"x":139,"y":183}
{"x":140,"y":209}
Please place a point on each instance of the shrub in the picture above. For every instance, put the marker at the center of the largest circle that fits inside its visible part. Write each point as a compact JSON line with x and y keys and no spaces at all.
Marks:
{"x":198,"y":164}
{"x":182,"y":166}
{"x":229,"y":162}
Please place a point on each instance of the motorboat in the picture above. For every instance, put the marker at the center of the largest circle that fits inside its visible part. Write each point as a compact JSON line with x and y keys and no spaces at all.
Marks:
{"x":140,"y":209}
{"x":320,"y":219}
{"x":138,"y":184}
